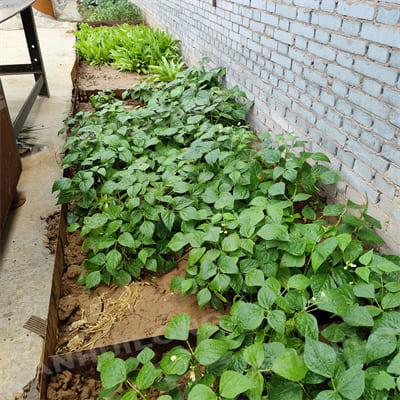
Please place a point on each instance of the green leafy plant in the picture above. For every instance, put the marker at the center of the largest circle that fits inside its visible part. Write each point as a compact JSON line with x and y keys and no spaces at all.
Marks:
{"x":109,"y":10}
{"x":167,"y":71}
{"x":127,"y":47}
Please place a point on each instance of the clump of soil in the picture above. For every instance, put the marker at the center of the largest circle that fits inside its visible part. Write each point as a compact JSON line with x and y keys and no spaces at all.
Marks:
{"x":93,"y":77}
{"x":52,"y":223}
{"x":73,"y":386}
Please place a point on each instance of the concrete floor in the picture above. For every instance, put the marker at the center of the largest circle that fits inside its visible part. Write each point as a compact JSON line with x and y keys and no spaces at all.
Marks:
{"x":26,"y":266}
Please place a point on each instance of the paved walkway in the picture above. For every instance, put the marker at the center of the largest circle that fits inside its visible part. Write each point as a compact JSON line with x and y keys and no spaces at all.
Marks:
{"x":26,"y":266}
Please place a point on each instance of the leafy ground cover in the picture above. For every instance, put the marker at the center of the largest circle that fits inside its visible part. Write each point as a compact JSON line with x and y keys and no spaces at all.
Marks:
{"x":126,"y":47}
{"x":314,"y":308}
{"x":109,"y":10}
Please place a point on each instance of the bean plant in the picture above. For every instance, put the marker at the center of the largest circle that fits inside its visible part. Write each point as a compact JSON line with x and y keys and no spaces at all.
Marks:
{"x":314,"y":308}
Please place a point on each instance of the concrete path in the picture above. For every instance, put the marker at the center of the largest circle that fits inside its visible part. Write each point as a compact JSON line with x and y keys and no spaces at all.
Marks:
{"x":26,"y":266}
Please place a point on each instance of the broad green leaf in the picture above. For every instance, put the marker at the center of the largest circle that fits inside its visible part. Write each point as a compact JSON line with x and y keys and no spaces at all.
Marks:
{"x":205,"y":331}
{"x":307,"y":325}
{"x":380,"y":344}
{"x":277,"y":189}
{"x":178,"y":241}
{"x":95,"y":221}
{"x":127,"y":240}
{"x":383,"y":381}
{"x":225,"y":201}
{"x":275,"y":212}
{"x":188,"y":214}
{"x":299,"y":282}
{"x":203,"y":297}
{"x":145,"y":355}
{"x":147,"y":375}
{"x":364,"y":290}
{"x":247,"y":316}
{"x":254,"y":355}
{"x":231,"y":243}
{"x":210,"y":350}
{"x":363,"y":273}
{"x":220,"y":283}
{"x":319,"y":357}
{"x":266,"y":297}
{"x":228,"y":265}
{"x":147,"y":229}
{"x":277,"y":320}
{"x":168,"y":217}
{"x":254,"y":278}
{"x":129,"y":396}
{"x":274,"y":232}
{"x":232,"y":384}
{"x":333,"y":333}
{"x":286,"y":391}
{"x":195,"y":255}
{"x":113,"y":372}
{"x":391,"y":300}
{"x":290,"y":261}
{"x":351,"y":383}
{"x":328,"y":395}
{"x":271,"y":352}
{"x":333,"y":210}
{"x":343,"y":240}
{"x":394,"y":366}
{"x":366,"y":258}
{"x":201,"y":392}
{"x":113,"y":259}
{"x":103,"y":358}
{"x":176,"y":361}
{"x":354,"y":351}
{"x":290,"y":366}
{"x":358,"y":316}
{"x":93,"y":279}
{"x":178,"y":327}
{"x":322,"y":251}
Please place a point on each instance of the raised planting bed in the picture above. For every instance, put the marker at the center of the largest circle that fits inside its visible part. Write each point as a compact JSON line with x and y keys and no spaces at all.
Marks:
{"x":314,"y":309}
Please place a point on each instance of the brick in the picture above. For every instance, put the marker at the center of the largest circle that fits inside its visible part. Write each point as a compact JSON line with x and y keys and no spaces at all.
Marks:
{"x":285,"y":11}
{"x":351,"y":28}
{"x":380,"y":164}
{"x":281,"y":97}
{"x":331,"y":132}
{"x":388,"y":16}
{"x":343,"y":74}
{"x":378,"y":53}
{"x":313,"y":90}
{"x":284,"y":24}
{"x":300,"y":56}
{"x":345,"y":157}
{"x":278,"y":70}
{"x":344,"y":59}
{"x":258,"y":4}
{"x":328,"y":145}
{"x":283,"y":85}
{"x":326,"y":21}
{"x":369,"y":103}
{"x":314,"y":4}
{"x":322,"y":51}
{"x":327,"y":98}
{"x":384,"y":186}
{"x":319,"y":65}
{"x":315,"y":77}
{"x":322,"y":36}
{"x":394,"y":174}
{"x":351,"y":45}
{"x":253,"y":46}
{"x":303,"y":112}
{"x":339,"y":89}
{"x":344,"y":107}
{"x":381,"y":34}
{"x":283,"y":36}
{"x":362,"y":117}
{"x":360,"y":185}
{"x":257,"y":27}
{"x":383,"y":129}
{"x":302,"y":30}
{"x":395,"y":59}
{"x":394,"y":118}
{"x":358,"y":10}
{"x":362,"y":170}
{"x":319,"y":108}
{"x":371,"y":87}
{"x":391,"y":153}
{"x":268,"y":42}
{"x":301,"y":43}
{"x":351,"y":128}
{"x":296,"y":67}
{"x":269,"y":19}
{"x":289,"y":76}
{"x":371,"y":141}
{"x":270,"y":6}
{"x":303,"y":15}
{"x":391,"y":96}
{"x":376,"y":71}
{"x":300,"y":83}
{"x":305,"y":100}
{"x":335,"y":118}
{"x":314,"y":135}
{"x":328,"y":5}
{"x":293,"y":92}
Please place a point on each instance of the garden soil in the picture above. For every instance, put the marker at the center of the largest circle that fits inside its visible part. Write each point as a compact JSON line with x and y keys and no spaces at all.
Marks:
{"x":109,"y":315}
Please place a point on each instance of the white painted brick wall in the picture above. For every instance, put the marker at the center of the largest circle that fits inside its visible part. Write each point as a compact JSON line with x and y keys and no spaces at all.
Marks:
{"x":328,"y":69}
